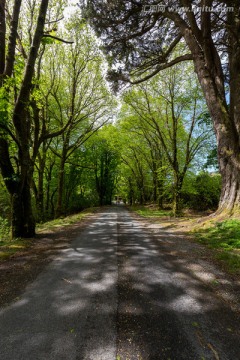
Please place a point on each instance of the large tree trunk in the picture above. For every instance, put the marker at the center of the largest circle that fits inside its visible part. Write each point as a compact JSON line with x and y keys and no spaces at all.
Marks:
{"x":228,"y":151}
{"x":230,"y":194}
{"x":226,"y":118}
{"x":229,"y":143}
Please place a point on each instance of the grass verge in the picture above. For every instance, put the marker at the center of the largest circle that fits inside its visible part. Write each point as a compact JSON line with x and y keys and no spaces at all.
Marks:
{"x":65,"y":221}
{"x":224,"y":238}
{"x":150,"y":211}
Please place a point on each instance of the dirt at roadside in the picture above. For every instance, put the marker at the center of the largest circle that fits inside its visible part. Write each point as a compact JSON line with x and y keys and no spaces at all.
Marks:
{"x":23,"y":267}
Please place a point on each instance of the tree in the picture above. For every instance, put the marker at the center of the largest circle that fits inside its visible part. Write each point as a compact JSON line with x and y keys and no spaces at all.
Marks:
{"x":14,"y":124}
{"x":137,"y":157}
{"x":103,"y":158}
{"x":207,"y":191}
{"x":140,"y":38}
{"x":23,"y":128}
{"x":172,"y":107}
{"x":81,"y":102}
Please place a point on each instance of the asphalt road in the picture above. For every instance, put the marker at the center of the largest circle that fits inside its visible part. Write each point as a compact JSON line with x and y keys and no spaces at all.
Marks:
{"x":116,"y":294}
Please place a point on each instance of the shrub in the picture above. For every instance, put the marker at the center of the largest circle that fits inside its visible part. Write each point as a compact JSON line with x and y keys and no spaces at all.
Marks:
{"x":204,"y":192}
{"x":4,"y":229}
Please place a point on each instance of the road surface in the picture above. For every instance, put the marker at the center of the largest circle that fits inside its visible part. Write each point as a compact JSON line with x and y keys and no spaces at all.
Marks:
{"x":115,"y":293}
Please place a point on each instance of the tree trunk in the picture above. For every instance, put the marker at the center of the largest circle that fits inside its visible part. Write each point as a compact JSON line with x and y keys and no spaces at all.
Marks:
{"x":226,"y":119}
{"x":230,"y":194}
{"x":160,"y":194}
{"x":177,"y":194}
{"x":23,"y":223}
{"x":40,"y":196}
{"x":228,"y":156}
{"x":142,"y":197}
{"x":131,"y":191}
{"x":59,"y":207}
{"x":47,"y":197}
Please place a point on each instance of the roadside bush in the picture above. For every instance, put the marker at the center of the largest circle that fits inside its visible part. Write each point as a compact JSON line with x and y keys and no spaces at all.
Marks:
{"x":208,"y":188}
{"x":4,"y":229}
{"x":4,"y":212}
{"x":205,"y":192}
{"x":5,"y":208}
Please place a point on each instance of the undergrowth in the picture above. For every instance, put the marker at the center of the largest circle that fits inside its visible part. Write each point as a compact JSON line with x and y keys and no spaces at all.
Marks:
{"x":10,"y":247}
{"x":147,"y":211}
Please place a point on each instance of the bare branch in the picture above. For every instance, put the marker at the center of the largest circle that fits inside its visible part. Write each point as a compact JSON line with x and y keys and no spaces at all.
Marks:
{"x":54,"y":21}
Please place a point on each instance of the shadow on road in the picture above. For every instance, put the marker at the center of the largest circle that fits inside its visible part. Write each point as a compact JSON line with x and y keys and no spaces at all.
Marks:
{"x":115,"y":290}
{"x":165,"y":311}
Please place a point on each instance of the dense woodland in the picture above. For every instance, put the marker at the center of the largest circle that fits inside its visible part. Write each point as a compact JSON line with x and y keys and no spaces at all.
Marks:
{"x":105,"y":99}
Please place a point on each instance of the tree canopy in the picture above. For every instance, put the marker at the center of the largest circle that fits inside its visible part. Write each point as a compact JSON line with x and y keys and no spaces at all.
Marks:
{"x":67,"y":141}
{"x":141,"y":39}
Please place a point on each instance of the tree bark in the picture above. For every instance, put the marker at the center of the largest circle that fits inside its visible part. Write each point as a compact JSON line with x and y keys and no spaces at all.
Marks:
{"x":227,"y":140}
{"x":230,"y":194}
{"x":226,"y":121}
{"x":178,"y":181}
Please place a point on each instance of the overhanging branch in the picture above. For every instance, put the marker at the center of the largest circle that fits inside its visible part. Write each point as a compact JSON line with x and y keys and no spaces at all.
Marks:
{"x":54,"y":21}
{"x":59,"y":39}
{"x":161,"y":67}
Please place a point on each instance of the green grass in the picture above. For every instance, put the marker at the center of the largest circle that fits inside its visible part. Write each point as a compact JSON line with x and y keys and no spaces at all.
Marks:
{"x":66,"y":221}
{"x":224,"y":237}
{"x":10,"y":247}
{"x":149,"y":212}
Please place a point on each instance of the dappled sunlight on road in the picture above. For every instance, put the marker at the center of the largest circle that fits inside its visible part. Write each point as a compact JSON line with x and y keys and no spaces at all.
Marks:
{"x":165,"y":310}
{"x":60,"y":314}
{"x":118,"y":289}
